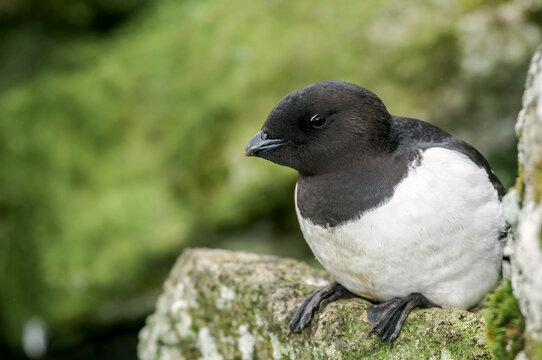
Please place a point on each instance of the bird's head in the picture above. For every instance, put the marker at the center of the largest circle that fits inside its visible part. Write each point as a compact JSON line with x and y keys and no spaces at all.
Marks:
{"x":323,"y":126}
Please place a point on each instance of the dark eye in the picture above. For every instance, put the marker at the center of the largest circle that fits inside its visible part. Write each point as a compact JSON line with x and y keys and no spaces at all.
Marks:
{"x":317,"y":120}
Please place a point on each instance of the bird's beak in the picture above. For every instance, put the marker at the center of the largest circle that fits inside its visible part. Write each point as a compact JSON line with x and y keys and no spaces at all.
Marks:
{"x":261,"y":144}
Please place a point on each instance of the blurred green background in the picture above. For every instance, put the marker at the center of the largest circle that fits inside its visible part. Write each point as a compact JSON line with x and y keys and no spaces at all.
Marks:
{"x":123,"y":125}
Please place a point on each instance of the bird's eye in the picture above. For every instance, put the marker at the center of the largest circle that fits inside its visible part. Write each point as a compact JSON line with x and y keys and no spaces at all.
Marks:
{"x":317,"y":120}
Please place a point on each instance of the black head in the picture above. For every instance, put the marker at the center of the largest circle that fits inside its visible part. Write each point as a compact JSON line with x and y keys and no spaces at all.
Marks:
{"x":324,"y":125}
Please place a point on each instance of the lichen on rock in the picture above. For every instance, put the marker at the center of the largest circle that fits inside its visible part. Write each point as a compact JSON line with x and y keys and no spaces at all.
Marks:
{"x":527,"y":249}
{"x":220,"y":304}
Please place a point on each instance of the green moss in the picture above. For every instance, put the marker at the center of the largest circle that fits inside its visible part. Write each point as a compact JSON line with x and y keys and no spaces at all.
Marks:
{"x":537,"y":353}
{"x":505,"y":323}
{"x":532,"y":349}
{"x":537,"y":180}
{"x":520,"y":185}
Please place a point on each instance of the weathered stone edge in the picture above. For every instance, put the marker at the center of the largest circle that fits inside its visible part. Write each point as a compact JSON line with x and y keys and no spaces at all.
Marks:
{"x":219,"y":304}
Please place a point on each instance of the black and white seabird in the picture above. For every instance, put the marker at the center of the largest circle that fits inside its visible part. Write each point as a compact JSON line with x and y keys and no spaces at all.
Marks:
{"x":395,"y":209}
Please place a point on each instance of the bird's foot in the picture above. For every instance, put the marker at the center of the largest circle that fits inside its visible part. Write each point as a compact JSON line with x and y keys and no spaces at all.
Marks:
{"x":387,"y":318}
{"x":317,"y":301}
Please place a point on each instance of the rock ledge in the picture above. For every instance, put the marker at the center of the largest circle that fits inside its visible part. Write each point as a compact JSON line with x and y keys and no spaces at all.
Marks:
{"x":220,"y":304}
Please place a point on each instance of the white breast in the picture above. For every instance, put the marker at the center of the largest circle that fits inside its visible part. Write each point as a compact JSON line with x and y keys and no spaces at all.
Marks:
{"x":438,"y":235}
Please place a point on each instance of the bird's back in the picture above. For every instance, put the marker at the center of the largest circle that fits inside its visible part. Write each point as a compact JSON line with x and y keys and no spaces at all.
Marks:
{"x":412,"y":133}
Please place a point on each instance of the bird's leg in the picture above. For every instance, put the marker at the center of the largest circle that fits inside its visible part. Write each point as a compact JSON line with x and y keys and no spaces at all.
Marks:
{"x":387,"y":318}
{"x":317,"y":301}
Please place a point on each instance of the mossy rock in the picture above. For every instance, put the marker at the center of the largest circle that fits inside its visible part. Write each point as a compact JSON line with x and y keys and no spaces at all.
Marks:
{"x":219,"y":304}
{"x":527,"y":248}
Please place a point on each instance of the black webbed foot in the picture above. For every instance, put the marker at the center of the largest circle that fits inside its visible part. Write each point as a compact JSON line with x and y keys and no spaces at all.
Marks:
{"x":387,"y":318}
{"x":317,"y":301}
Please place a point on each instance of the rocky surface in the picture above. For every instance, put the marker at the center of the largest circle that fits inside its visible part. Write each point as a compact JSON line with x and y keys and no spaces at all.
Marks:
{"x":219,"y":304}
{"x":527,"y":249}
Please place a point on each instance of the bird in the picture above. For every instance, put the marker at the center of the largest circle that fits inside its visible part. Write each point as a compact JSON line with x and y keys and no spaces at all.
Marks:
{"x":396,"y":210}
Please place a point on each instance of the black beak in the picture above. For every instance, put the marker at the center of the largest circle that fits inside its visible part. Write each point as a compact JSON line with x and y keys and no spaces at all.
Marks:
{"x":261,"y":144}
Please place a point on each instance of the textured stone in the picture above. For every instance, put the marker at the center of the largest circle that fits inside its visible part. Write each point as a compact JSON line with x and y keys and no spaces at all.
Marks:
{"x":527,"y":252}
{"x":219,"y":304}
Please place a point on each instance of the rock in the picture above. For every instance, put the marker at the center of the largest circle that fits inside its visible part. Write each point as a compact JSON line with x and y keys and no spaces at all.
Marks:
{"x":527,"y":249}
{"x":219,"y":304}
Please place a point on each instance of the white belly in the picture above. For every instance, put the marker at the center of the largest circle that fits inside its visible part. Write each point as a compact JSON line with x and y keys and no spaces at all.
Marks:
{"x":437,"y":236}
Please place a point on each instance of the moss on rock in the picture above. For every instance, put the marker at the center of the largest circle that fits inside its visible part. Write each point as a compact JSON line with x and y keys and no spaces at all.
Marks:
{"x":527,"y":246}
{"x":505,"y":323}
{"x":519,"y":184}
{"x":219,"y":304}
